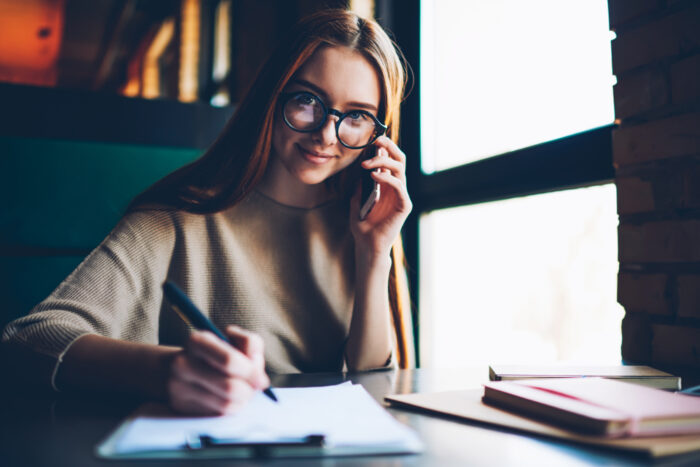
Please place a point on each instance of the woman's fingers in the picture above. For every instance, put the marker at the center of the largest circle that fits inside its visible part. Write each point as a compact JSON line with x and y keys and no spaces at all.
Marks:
{"x":212,"y":376}
{"x":393,"y":151}
{"x":398,"y":186}
{"x":242,"y":357}
{"x":390,"y":171}
{"x":193,"y":398}
{"x":221,"y":355}
{"x":253,"y":347}
{"x":389,"y":157}
{"x":397,"y":169}
{"x":196,"y":372}
{"x":190,"y":399}
{"x":248,"y":342}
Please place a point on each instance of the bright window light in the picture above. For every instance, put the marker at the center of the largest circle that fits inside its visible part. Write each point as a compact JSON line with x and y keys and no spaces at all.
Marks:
{"x":526,"y":280}
{"x":500,"y":75}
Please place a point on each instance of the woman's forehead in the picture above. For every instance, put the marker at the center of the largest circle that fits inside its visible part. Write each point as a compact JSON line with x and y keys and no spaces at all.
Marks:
{"x":343,"y":74}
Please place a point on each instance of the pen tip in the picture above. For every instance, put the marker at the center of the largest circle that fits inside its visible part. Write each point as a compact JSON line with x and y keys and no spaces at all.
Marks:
{"x":268,"y":392}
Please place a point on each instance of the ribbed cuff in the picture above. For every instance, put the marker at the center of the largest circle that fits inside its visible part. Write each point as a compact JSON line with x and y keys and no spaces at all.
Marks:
{"x":59,"y":360}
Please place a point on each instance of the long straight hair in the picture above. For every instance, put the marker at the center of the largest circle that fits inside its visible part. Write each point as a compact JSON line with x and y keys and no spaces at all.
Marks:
{"x":235,"y":163}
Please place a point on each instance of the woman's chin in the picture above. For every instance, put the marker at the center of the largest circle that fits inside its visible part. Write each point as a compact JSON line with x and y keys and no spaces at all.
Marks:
{"x":312,"y":177}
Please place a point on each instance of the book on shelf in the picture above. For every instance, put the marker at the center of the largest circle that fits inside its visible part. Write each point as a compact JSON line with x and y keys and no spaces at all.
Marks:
{"x":638,"y":374}
{"x":598,"y":406}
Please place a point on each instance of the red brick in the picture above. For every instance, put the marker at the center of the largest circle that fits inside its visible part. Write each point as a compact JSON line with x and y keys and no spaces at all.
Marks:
{"x":624,"y":10}
{"x":643,"y":292}
{"x":636,"y":338}
{"x":685,"y":80}
{"x":689,"y":296}
{"x":670,"y":36}
{"x":662,"y":139}
{"x":675,"y":345}
{"x":641,"y":91}
{"x":660,"y":242}
{"x":655,"y":189}
{"x":634,"y":195}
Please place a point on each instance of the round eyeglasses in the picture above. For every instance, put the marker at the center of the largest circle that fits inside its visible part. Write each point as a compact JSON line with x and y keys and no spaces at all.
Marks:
{"x":306,"y":113}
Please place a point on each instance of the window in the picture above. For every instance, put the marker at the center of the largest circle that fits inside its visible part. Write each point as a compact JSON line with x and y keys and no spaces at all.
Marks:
{"x":501,"y":75}
{"x":514,"y":232}
{"x":528,"y":279}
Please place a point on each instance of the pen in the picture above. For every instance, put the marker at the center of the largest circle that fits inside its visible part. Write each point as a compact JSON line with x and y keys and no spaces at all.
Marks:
{"x":190,"y":314}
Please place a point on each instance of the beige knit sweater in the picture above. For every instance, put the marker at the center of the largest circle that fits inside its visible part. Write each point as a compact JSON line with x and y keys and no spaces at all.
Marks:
{"x":283,"y":272}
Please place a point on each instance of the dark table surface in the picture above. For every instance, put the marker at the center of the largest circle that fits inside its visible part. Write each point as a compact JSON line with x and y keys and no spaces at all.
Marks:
{"x":63,"y":431}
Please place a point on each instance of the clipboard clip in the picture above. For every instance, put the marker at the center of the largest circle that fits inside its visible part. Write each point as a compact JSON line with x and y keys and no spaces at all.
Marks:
{"x":255,"y":448}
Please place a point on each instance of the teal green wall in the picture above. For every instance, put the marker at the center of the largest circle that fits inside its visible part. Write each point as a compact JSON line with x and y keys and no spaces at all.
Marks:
{"x":59,"y":200}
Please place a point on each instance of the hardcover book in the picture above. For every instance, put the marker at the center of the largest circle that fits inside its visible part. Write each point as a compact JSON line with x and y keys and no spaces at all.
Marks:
{"x":598,"y":406}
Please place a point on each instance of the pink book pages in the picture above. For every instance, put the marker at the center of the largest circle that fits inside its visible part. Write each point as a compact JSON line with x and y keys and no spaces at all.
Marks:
{"x":639,"y":403}
{"x":632,"y":399}
{"x":560,"y":401}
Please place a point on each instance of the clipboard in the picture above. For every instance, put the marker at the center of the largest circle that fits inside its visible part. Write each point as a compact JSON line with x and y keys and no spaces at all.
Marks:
{"x":311,"y":446}
{"x":204,"y":438}
{"x":207,"y":447}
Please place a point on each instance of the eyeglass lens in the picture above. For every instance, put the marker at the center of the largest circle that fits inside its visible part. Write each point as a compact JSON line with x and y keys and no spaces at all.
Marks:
{"x":305,"y":112}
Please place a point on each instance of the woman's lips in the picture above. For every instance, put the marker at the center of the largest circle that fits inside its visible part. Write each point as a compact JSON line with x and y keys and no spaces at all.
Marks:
{"x":313,"y":157}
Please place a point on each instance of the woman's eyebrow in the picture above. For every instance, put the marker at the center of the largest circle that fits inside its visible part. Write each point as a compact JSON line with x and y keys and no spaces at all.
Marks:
{"x":322,"y":93}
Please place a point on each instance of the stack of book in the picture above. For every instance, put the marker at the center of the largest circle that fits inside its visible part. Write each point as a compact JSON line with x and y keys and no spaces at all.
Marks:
{"x":615,"y":407}
{"x":598,"y":406}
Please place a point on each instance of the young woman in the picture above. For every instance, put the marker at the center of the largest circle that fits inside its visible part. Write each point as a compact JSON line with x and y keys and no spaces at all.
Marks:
{"x":263,"y":233}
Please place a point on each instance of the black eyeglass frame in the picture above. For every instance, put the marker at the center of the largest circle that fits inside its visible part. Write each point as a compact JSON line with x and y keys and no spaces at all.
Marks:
{"x":380,"y":128}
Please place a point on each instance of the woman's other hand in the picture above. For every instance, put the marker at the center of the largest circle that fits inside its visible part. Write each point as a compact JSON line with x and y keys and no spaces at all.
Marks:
{"x":212,"y":377}
{"x":376,"y":233}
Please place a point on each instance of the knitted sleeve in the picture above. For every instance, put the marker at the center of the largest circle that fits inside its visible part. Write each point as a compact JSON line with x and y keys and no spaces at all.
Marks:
{"x":114,"y":292}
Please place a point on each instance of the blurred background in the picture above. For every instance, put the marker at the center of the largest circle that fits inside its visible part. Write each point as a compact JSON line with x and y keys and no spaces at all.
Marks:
{"x":187,"y":50}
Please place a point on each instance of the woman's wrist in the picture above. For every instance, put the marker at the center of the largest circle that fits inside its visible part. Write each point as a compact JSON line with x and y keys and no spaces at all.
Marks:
{"x":367,"y":260}
{"x":163,"y":361}
{"x":100,"y":363}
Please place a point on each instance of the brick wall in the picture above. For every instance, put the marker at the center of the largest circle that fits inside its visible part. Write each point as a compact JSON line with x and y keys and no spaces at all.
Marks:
{"x":656,"y":150}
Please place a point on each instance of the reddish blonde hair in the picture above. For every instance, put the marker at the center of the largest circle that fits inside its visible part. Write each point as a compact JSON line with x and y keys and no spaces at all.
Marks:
{"x":236,"y":162}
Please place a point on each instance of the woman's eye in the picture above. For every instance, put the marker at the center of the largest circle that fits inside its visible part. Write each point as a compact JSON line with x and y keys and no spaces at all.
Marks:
{"x":356,"y":115}
{"x":306,"y":99}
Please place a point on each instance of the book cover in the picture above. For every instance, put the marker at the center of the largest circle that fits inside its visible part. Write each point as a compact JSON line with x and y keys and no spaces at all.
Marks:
{"x":599,"y":406}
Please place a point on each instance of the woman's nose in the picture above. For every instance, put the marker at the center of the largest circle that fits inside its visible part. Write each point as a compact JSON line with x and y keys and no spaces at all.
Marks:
{"x":326,"y":135}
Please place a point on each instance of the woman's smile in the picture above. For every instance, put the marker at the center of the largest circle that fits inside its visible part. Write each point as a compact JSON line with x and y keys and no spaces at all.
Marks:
{"x":314,"y":157}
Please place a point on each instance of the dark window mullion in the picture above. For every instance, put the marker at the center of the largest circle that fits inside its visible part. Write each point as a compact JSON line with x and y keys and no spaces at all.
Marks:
{"x":577,"y":160}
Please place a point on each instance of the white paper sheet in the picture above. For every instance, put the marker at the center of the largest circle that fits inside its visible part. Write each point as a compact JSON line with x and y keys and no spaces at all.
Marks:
{"x":345,"y":414}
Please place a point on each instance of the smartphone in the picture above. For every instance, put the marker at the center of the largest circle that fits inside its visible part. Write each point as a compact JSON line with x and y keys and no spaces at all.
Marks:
{"x":370,"y":189}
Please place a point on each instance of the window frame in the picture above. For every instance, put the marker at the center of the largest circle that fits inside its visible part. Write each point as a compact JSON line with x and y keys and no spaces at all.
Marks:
{"x":575,"y":161}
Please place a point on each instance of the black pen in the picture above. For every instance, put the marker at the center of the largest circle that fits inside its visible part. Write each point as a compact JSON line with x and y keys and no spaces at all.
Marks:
{"x":190,"y":314}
